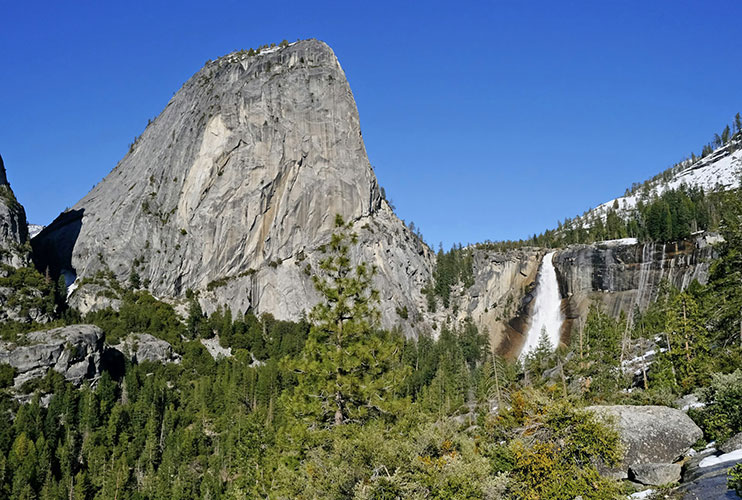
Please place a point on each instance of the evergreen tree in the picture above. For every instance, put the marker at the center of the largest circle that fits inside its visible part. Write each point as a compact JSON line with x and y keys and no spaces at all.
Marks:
{"x":348,"y":371}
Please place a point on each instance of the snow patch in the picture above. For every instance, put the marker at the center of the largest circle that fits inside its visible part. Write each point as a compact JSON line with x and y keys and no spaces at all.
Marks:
{"x":719,"y":171}
{"x":733,"y":456}
{"x":619,"y":242}
{"x":689,"y":406}
{"x":640,"y":495}
{"x":34,"y":229}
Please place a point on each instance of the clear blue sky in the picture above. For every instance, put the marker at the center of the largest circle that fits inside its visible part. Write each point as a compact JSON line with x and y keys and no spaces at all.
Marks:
{"x":487,"y":120}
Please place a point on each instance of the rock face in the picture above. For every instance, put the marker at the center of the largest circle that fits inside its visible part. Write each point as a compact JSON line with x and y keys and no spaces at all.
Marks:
{"x":650,"y":434}
{"x":91,"y":297}
{"x":655,"y":474}
{"x":624,"y":275}
{"x":13,"y":225}
{"x":702,"y":483}
{"x":732,"y":444}
{"x":141,"y":347}
{"x":499,"y":299}
{"x":74,"y":351}
{"x":235,"y":185}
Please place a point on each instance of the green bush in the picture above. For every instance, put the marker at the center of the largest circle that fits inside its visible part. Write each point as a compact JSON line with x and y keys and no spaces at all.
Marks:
{"x":734,"y":479}
{"x":7,"y":374}
{"x":722,"y":416}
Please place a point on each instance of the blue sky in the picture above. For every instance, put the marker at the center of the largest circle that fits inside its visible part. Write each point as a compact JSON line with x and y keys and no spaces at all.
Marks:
{"x":483,"y":120}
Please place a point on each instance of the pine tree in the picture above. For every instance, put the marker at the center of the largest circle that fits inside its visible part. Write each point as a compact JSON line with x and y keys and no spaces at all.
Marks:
{"x":349,"y":371}
{"x":689,"y":343}
{"x":725,"y":135}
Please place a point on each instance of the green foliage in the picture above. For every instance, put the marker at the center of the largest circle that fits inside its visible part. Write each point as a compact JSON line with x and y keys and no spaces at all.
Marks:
{"x":349,"y":370}
{"x":734,"y":479}
{"x":553,"y":450}
{"x":598,"y":364}
{"x":29,"y":292}
{"x":451,"y":268}
{"x":139,"y":312}
{"x":7,"y":374}
{"x":721,"y":418}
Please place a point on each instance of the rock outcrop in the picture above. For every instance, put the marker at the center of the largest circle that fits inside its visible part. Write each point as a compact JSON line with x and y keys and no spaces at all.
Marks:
{"x":650,"y":434}
{"x":232,"y":189}
{"x":498,"y":300}
{"x":653,"y":474}
{"x":74,"y":351}
{"x":13,"y":225}
{"x":142,"y":347}
{"x":625,"y":275}
{"x":702,"y":481}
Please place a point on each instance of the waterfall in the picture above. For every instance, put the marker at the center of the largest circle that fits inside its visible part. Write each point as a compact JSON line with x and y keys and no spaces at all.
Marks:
{"x":547,"y":311}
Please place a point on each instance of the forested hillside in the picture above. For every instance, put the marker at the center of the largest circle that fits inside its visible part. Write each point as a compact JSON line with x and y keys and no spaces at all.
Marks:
{"x":334,"y":407}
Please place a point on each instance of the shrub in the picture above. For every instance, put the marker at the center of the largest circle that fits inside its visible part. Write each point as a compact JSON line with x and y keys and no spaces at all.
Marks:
{"x":734,"y":479}
{"x":722,"y":416}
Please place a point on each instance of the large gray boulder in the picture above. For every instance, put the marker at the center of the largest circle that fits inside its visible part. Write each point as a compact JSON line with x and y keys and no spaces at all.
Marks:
{"x":233,"y":189}
{"x":74,"y":351}
{"x":650,"y":434}
{"x":140,"y":347}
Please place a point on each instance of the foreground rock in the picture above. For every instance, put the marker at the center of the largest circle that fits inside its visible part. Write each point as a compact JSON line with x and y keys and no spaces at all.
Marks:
{"x":74,"y":351}
{"x":702,"y":481}
{"x":650,"y":434}
{"x":141,"y":347}
{"x":653,"y":474}
{"x":732,"y":444}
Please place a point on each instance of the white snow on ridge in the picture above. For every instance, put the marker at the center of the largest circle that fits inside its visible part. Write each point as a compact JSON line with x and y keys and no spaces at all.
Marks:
{"x":620,"y":242}
{"x":34,"y":229}
{"x":717,"y":172}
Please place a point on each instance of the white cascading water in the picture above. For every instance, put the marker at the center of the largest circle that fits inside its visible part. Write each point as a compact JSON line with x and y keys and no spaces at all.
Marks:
{"x":547,"y":312}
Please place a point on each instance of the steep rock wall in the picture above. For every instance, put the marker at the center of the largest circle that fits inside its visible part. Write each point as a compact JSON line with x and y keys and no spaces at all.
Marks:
{"x":13,"y":225}
{"x":235,"y":185}
{"x":498,"y":301}
{"x":627,"y":276}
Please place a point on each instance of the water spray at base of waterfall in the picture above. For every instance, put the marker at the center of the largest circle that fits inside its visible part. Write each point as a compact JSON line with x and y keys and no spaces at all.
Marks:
{"x":547,"y":311}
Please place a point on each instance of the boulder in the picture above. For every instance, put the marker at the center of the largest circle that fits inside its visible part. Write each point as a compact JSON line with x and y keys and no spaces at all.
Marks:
{"x":74,"y":351}
{"x":91,"y":297}
{"x":731,"y":444}
{"x":140,"y":347}
{"x":650,"y":434}
{"x":654,"y":474}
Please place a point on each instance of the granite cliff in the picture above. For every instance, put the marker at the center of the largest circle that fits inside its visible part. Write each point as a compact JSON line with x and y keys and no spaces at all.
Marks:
{"x":234,"y":187}
{"x":13,"y":225}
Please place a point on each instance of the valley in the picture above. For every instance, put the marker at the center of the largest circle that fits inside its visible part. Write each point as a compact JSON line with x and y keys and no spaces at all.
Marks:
{"x":236,"y":311}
